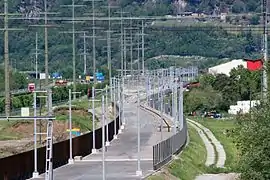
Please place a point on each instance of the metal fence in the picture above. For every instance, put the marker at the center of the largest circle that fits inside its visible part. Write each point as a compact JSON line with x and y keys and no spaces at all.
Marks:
{"x":163,"y":151}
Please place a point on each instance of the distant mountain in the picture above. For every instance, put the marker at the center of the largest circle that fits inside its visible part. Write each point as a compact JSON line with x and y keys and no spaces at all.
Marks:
{"x":185,"y":43}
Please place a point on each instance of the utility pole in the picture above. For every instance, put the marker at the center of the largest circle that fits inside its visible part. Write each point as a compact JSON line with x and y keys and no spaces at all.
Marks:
{"x":131,"y":50}
{"x":94,"y":38}
{"x":107,"y":117}
{"x":46,"y":45}
{"x":125,"y":53}
{"x":143,"y":47}
{"x":73,"y":48}
{"x":139,"y":171}
{"x":94,"y":151}
{"x":36,"y":55}
{"x":265,"y":69}
{"x":73,"y":43}
{"x":6,"y":57}
{"x":138,"y":53}
{"x":180,"y":111}
{"x":103,"y":140}
{"x":94,"y":42}
{"x":84,"y":53}
{"x":70,"y":161}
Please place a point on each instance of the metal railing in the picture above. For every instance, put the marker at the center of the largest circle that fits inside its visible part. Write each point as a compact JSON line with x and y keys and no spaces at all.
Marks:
{"x":163,"y":151}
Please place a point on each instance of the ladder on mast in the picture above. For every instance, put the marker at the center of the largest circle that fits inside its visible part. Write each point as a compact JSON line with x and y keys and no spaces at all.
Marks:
{"x":49,"y":143}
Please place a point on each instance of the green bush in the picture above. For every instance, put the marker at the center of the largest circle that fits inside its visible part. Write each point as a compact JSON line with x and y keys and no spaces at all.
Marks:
{"x":58,"y":94}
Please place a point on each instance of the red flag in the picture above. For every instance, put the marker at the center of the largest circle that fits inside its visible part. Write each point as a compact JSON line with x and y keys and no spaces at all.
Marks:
{"x":254,"y":65}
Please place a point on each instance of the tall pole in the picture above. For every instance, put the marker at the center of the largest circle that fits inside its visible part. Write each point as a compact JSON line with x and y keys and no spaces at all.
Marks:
{"x":175,"y":106}
{"x":120,"y":107}
{"x":122,"y":53}
{"x":84,"y":53}
{"x":109,"y":53}
{"x":35,"y":173}
{"x":93,"y":120}
{"x":46,"y":45}
{"x":36,"y":55}
{"x":114,"y":107}
{"x":109,"y":46}
{"x":143,"y":47}
{"x":6,"y":56}
{"x":70,"y":161}
{"x":73,"y":49}
{"x":122,"y":73}
{"x":94,"y":42}
{"x":265,"y":80}
{"x":131,"y":50}
{"x":125,"y":54}
{"x":139,"y":171}
{"x":161,"y":112}
{"x":181,"y":115}
{"x":138,"y":54}
{"x":103,"y":140}
{"x":107,"y":117}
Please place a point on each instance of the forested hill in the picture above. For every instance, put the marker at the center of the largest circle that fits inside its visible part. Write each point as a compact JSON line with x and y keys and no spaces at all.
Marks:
{"x":154,"y":7}
{"x":211,"y":43}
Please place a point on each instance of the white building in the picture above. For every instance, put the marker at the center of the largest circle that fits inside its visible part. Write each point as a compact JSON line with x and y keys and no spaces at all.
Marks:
{"x":226,"y":68}
{"x":243,"y":107}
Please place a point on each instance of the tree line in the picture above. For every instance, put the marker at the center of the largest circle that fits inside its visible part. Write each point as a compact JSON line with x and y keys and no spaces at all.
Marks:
{"x":59,"y":94}
{"x":218,"y":92}
{"x":251,"y":133}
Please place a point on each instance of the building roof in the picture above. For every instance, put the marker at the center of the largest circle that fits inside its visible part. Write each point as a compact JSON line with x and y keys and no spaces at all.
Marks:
{"x":226,"y":68}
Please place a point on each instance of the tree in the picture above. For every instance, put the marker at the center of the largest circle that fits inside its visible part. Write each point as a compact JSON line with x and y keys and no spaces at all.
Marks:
{"x":255,"y":20}
{"x":253,"y":141}
{"x":202,"y":100}
{"x":238,"y":6}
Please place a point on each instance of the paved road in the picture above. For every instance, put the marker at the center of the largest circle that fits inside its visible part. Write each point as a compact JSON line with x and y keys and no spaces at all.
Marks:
{"x":121,"y":156}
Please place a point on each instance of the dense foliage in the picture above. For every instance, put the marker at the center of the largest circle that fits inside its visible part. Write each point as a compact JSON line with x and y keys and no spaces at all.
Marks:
{"x":220,"y":91}
{"x":59,"y":94}
{"x":251,"y":134}
{"x":252,"y":137}
{"x":193,"y":41}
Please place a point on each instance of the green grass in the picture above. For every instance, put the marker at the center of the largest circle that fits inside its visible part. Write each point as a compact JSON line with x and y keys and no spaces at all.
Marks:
{"x":5,"y":134}
{"x":78,"y":121}
{"x":221,"y":129}
{"x":155,"y":177}
{"x":191,"y":161}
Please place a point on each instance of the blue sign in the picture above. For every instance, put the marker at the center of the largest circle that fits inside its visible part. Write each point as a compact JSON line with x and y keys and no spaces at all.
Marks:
{"x":100,"y":76}
{"x":56,"y":75}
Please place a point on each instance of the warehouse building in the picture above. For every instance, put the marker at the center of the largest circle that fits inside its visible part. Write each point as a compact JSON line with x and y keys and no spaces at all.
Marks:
{"x":226,"y":68}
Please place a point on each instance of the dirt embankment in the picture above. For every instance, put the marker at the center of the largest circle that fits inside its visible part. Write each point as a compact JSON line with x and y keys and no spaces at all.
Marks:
{"x":22,"y":134}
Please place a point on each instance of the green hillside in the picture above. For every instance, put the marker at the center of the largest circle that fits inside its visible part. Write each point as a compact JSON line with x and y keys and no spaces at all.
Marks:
{"x":213,"y":43}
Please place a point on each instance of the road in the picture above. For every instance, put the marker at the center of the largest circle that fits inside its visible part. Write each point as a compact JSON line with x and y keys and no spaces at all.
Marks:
{"x":121,"y":155}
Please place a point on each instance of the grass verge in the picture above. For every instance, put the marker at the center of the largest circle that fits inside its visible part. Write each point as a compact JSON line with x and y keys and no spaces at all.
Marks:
{"x":190,"y":162}
{"x":222,"y":130}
